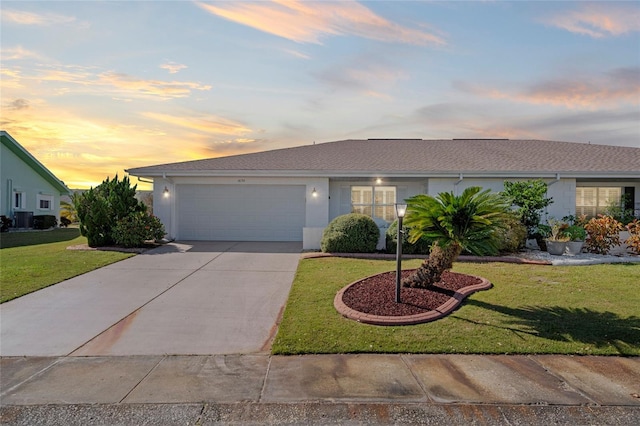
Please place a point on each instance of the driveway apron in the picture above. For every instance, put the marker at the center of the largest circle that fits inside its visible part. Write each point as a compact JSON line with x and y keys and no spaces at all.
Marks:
{"x":185,"y":298}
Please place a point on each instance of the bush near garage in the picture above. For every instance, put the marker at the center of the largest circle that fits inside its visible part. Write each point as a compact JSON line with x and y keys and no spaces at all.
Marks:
{"x":101,"y":208}
{"x":422,"y":246}
{"x":137,"y":228}
{"x":350,"y":233}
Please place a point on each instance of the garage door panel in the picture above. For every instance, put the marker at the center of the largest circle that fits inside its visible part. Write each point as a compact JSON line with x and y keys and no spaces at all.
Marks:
{"x":241,"y":212}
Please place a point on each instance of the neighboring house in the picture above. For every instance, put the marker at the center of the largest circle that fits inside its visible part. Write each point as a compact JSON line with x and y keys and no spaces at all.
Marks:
{"x":27,"y":187}
{"x":291,"y":194}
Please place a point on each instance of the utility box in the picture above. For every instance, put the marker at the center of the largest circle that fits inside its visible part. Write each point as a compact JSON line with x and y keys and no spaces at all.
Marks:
{"x":23,"y":219}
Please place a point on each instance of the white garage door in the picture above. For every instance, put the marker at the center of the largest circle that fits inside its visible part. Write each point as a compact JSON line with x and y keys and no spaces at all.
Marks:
{"x":240,"y":212}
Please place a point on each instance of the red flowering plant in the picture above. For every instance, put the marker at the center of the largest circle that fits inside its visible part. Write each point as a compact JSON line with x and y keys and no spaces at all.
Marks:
{"x":633,"y":242}
{"x":603,"y":233}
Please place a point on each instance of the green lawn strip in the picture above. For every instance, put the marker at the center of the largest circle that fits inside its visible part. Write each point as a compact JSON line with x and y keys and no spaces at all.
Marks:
{"x":29,"y":238}
{"x":29,"y":268}
{"x":530,"y":310}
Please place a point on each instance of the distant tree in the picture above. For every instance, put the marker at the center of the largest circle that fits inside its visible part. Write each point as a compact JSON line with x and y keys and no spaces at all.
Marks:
{"x":68,"y":211}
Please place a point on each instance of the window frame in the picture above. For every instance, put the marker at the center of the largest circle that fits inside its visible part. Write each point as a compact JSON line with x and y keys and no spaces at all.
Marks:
{"x":40,"y":198}
{"x":19,"y":203}
{"x":367,"y":204}
{"x":600,"y":200}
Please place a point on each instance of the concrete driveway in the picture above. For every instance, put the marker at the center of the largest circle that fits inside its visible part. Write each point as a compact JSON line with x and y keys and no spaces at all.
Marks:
{"x":185,"y":298}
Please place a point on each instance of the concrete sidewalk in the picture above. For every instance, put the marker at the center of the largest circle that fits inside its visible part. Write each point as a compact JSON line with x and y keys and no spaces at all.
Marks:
{"x":321,"y":389}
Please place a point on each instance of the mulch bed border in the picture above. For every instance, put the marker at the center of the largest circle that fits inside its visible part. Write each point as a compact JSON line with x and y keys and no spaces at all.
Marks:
{"x":443,"y":310}
{"x":461,"y":258}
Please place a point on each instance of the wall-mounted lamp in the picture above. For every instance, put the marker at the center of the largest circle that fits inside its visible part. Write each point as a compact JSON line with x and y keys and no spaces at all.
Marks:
{"x":165,"y":193}
{"x":314,"y":193}
{"x":378,"y":181}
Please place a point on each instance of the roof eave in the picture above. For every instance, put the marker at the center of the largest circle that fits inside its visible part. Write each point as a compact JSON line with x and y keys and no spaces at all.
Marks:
{"x":32,"y":162}
{"x":394,"y":174}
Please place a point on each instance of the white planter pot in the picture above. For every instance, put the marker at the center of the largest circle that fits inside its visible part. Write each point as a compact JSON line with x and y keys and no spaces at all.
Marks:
{"x":556,"y":248}
{"x":574,"y":247}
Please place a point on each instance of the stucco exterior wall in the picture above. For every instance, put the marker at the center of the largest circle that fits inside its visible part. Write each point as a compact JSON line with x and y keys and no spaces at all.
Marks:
{"x":16,"y":176}
{"x":562,"y":191}
{"x":333,"y":195}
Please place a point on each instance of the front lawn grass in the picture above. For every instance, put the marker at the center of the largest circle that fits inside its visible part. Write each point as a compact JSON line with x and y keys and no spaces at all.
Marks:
{"x":26,"y":268}
{"x":532,"y":309}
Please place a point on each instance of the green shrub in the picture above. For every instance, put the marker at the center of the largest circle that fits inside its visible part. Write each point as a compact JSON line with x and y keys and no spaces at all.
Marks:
{"x":530,"y":198}
{"x":135,"y":229}
{"x":576,"y":233}
{"x":513,"y":236}
{"x":350,"y":233}
{"x":422,"y":246}
{"x":99,"y":209}
{"x":44,"y":221}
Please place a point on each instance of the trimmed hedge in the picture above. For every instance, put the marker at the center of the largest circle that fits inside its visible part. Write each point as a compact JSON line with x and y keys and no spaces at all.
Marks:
{"x":350,"y":233}
{"x":44,"y":221}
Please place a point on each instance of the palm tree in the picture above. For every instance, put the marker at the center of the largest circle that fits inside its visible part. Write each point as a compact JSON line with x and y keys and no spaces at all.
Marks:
{"x":455,"y":223}
{"x":68,"y":210}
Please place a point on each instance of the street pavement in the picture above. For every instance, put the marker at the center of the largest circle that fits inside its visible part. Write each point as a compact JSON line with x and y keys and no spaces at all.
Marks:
{"x":130,"y":357}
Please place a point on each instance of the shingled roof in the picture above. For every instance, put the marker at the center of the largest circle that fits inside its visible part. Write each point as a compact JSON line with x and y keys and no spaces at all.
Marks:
{"x":419,"y":157}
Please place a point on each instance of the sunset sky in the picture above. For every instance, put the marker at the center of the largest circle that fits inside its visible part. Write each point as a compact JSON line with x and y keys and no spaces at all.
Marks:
{"x":93,"y":88}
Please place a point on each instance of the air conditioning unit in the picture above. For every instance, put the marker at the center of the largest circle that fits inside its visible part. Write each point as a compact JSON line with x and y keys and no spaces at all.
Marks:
{"x":23,"y":219}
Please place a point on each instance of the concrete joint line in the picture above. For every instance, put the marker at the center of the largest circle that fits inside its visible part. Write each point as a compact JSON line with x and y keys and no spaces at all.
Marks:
{"x":264,"y":382}
{"x":142,"y":380}
{"x":565,"y":384}
{"x":415,"y":377}
{"x":37,"y":373}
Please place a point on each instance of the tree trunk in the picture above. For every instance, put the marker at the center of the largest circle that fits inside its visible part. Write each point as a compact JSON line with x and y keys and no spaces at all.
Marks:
{"x":430,"y":272}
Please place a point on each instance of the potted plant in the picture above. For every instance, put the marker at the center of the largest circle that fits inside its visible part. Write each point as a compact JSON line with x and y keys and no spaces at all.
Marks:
{"x":576,"y":234}
{"x":540,"y":233}
{"x":557,"y":240}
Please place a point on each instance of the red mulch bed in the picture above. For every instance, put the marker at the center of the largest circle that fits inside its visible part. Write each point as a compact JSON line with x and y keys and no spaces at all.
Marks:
{"x":376,"y":295}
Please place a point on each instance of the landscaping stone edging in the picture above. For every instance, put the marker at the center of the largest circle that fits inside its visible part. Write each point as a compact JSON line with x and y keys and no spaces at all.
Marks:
{"x":461,"y":258}
{"x":441,"y":311}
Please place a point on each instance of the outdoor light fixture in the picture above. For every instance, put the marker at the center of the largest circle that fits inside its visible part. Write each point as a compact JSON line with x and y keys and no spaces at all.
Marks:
{"x":314,"y":193}
{"x":165,"y":193}
{"x":378,"y":181}
{"x":401,"y":210}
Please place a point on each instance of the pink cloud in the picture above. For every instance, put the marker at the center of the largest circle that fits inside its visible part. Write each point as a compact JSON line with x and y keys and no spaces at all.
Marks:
{"x":306,"y":22}
{"x":599,"y":20}
{"x":619,"y":86}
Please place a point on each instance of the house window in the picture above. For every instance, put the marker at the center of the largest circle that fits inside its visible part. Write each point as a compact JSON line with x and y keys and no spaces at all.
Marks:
{"x":45,"y":202}
{"x":592,"y":201}
{"x":18,"y":200}
{"x":374,"y":201}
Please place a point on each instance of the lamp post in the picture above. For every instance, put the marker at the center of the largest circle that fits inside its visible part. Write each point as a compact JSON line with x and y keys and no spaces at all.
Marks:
{"x":401,"y":209}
